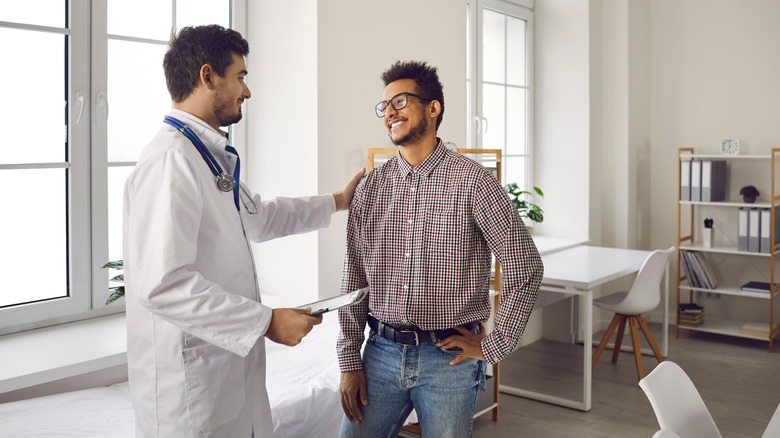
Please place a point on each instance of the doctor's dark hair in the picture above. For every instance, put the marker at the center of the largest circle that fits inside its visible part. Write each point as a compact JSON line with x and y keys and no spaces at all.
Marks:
{"x":426,"y":81}
{"x":192,"y":48}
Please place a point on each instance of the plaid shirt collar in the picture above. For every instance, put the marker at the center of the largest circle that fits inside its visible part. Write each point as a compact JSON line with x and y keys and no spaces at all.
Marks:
{"x":426,"y":167}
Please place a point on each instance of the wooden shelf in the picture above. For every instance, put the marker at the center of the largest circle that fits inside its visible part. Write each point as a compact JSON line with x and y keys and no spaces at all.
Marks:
{"x":723,"y":327}
{"x":687,"y":234}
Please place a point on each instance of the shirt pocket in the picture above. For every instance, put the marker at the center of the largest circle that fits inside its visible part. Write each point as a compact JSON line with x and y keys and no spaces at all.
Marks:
{"x":214,"y":380}
{"x":442,"y":233}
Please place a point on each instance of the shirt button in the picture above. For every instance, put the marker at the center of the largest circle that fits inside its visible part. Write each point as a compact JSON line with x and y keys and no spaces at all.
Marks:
{"x":414,"y":189}
{"x":406,"y":287}
{"x":407,"y":255}
{"x":409,"y":221}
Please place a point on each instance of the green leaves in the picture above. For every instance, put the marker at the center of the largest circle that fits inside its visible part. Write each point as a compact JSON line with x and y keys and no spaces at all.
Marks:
{"x":521,"y":200}
{"x":117,"y":292}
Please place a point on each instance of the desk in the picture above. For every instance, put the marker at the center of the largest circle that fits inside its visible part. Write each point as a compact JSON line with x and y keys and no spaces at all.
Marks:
{"x":576,"y":272}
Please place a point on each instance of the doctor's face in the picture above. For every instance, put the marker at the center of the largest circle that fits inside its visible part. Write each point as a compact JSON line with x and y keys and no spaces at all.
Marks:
{"x":230,"y":92}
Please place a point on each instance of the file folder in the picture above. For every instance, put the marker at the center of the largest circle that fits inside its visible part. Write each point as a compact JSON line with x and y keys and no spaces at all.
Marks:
{"x":695,"y":180}
{"x":713,"y":181}
{"x":766,"y":230}
{"x":685,"y":180}
{"x":742,"y":229}
{"x":754,"y":229}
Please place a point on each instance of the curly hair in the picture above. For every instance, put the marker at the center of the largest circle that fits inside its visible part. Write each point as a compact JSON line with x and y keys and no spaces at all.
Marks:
{"x":426,"y":80}
{"x":192,"y":48}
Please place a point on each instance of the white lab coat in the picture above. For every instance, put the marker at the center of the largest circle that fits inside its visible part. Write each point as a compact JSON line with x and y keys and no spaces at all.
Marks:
{"x":195,"y":325}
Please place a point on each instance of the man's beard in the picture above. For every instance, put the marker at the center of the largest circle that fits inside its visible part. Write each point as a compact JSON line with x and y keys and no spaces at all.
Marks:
{"x":413,"y":135}
{"x":226,"y":119}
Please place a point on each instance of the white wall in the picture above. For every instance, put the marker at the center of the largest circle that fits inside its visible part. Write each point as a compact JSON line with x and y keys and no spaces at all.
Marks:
{"x":282,"y":156}
{"x":562,"y":121}
{"x":715,"y":66}
{"x":315,"y":69}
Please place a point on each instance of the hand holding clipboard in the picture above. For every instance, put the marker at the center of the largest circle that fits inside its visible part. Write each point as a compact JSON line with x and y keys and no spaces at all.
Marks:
{"x":328,"y":304}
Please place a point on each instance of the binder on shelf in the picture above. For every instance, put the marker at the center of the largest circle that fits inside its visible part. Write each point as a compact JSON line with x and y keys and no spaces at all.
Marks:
{"x":754,"y":229}
{"x":713,"y":180}
{"x":742,"y":229}
{"x":755,"y":286}
{"x":765,"y":235}
{"x":685,"y":180}
{"x":695,"y":180}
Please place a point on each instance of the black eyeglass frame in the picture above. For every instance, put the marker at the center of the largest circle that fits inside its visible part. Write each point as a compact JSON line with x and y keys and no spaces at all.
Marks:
{"x":388,"y":103}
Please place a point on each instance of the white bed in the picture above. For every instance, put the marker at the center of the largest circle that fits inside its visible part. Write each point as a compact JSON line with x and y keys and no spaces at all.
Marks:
{"x":302,"y":387}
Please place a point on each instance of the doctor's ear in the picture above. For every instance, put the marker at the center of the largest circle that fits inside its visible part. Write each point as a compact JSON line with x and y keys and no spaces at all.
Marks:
{"x":205,"y":76}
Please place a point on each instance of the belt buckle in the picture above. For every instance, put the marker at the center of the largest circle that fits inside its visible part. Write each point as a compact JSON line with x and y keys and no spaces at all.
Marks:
{"x":416,"y":337}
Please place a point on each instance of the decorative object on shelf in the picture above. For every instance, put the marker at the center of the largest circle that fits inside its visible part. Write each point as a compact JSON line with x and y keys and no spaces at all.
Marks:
{"x":749,"y":194}
{"x":729,"y":146}
{"x":117,"y":292}
{"x":525,"y":207}
{"x":707,"y":233}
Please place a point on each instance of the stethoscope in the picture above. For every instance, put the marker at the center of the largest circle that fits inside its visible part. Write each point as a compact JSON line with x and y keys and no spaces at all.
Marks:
{"x":225,"y":182}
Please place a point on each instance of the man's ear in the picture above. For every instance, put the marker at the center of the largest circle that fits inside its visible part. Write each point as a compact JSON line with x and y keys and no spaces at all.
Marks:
{"x":435,"y":109}
{"x":206,"y":76}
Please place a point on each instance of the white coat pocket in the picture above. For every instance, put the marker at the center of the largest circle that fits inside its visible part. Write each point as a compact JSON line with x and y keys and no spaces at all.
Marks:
{"x":214,"y":381}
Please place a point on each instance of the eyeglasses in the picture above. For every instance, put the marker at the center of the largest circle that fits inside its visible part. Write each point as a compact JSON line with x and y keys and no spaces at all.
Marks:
{"x":399,"y":102}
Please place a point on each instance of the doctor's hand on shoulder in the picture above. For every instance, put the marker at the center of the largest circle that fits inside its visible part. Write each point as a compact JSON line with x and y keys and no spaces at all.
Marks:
{"x":344,"y":196}
{"x":289,"y":326}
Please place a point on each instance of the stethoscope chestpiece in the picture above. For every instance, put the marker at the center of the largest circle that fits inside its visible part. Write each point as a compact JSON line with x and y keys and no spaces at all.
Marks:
{"x":225,"y":182}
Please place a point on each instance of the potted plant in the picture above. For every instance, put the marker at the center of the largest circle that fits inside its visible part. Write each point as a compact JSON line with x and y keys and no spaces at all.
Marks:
{"x":521,"y":200}
{"x":749,"y":194}
{"x":117,"y":292}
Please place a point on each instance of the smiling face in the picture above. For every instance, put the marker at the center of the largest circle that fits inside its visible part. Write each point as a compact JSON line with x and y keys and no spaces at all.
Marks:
{"x":411,"y":124}
{"x":230,"y":92}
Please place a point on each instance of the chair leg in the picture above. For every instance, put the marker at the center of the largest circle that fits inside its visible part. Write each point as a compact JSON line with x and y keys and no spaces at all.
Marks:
{"x":605,"y":339}
{"x":649,"y":337}
{"x":619,"y":338}
{"x":637,"y":348}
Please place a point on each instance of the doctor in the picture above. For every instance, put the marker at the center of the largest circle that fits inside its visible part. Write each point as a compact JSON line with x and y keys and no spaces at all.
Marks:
{"x":196,"y":352}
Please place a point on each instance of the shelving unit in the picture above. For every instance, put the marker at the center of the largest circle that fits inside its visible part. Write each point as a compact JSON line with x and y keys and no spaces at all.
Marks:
{"x":687,"y":241}
{"x":487,"y":401}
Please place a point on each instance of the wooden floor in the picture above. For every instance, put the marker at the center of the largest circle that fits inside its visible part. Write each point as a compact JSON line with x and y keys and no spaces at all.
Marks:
{"x":738,"y":379}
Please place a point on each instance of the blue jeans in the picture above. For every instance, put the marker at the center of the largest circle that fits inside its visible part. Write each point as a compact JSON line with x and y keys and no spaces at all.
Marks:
{"x":402,"y":378}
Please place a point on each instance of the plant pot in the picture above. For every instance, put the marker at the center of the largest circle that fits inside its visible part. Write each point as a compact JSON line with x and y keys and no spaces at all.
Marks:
{"x":749,"y":199}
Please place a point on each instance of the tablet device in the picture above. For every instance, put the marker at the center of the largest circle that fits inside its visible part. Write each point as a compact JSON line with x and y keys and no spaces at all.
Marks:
{"x":328,"y":304}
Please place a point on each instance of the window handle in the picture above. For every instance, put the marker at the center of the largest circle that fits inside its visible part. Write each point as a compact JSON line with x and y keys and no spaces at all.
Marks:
{"x":80,"y":100}
{"x":485,"y":124}
{"x":102,"y":104}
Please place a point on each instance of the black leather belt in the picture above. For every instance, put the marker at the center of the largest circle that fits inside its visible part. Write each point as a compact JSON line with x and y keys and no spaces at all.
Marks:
{"x":413,"y":336}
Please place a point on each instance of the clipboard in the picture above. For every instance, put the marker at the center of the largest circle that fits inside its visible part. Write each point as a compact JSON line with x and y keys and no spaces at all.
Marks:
{"x":335,"y":303}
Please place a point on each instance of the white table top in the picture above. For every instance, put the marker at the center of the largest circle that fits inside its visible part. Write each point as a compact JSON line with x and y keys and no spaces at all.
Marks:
{"x":547,"y":245}
{"x":585,"y":267}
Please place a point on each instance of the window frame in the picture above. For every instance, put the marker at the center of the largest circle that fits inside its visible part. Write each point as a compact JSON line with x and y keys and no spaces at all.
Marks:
{"x":522,"y":9}
{"x":86,"y":166}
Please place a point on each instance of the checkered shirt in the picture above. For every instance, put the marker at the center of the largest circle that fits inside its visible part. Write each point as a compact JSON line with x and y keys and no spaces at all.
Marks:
{"x":421,"y":238}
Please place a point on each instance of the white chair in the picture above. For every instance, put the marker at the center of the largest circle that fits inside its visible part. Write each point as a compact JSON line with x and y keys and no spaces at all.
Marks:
{"x":665,"y":434}
{"x":644,"y":296}
{"x":677,"y":404}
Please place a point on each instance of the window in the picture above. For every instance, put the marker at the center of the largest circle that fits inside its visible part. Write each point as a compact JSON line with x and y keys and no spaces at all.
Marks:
{"x":80,"y":104}
{"x":499,"y":83}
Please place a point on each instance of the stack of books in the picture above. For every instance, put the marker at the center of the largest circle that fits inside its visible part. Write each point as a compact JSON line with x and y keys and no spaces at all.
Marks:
{"x":690,"y":315}
{"x":755,"y":329}
{"x":756,"y":287}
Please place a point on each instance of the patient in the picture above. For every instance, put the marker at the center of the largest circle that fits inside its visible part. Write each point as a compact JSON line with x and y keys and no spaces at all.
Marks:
{"x":420,"y":233}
